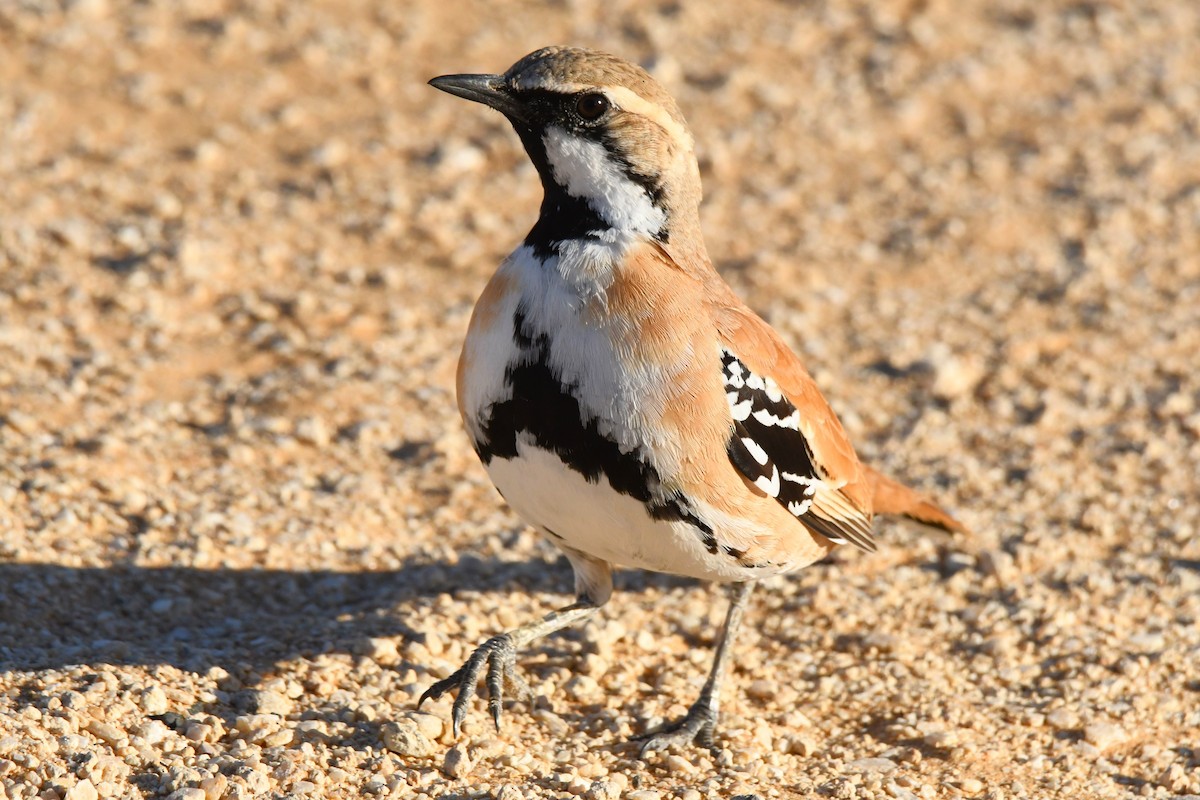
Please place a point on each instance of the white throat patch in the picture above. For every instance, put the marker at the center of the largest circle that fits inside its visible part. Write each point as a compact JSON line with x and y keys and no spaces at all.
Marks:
{"x":587,"y":171}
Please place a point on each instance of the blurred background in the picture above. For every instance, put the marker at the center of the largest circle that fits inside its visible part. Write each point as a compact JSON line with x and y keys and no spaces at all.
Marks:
{"x":239,"y":244}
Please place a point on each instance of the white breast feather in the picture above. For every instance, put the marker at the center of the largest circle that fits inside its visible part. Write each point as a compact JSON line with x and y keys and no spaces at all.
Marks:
{"x":565,"y":296}
{"x":588,"y":171}
{"x":489,"y":351}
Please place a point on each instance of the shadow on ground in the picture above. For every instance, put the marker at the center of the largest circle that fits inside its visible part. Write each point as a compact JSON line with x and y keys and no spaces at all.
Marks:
{"x":53,"y":616}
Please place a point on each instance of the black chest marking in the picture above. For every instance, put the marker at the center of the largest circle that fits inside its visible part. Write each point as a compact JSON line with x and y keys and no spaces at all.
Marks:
{"x":563,"y":218}
{"x":544,"y":408}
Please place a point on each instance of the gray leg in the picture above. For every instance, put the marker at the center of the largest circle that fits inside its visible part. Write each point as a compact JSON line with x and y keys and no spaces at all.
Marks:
{"x":593,"y":587}
{"x":701,"y":719}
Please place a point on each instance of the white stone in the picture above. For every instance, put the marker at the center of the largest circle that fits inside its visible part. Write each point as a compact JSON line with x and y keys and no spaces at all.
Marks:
{"x":84,"y":790}
{"x":404,"y":738}
{"x":1105,"y":735}
{"x":457,"y":763}
{"x":871,"y":765}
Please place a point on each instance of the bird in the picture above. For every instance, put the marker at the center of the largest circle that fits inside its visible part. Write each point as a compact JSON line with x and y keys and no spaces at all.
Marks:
{"x":624,"y":401}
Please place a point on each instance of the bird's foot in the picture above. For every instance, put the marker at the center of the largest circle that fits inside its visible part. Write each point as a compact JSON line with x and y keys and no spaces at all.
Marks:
{"x":695,"y":728}
{"x":499,"y":654}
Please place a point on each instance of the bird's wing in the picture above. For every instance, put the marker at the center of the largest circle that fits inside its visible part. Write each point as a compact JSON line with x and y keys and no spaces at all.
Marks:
{"x":785,"y":438}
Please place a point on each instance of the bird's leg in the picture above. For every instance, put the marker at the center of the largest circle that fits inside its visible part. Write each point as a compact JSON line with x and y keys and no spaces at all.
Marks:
{"x":593,"y":586}
{"x":701,"y":720}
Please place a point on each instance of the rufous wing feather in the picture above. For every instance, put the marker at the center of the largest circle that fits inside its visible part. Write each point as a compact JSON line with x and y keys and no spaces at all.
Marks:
{"x":892,"y":497}
{"x":785,"y":437}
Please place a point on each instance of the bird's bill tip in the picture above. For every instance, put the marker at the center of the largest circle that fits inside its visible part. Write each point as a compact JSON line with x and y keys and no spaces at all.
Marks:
{"x":486,"y":89}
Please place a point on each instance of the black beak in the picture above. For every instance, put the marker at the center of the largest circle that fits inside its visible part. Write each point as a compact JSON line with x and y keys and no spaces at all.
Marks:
{"x":490,"y":90}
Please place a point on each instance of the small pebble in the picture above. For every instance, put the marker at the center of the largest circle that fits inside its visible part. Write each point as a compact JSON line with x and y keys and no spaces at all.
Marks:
{"x":111,"y":734}
{"x":603,"y":790}
{"x":509,"y":792}
{"x":801,"y":746}
{"x":431,"y":725}
{"x":942,"y":739}
{"x":997,"y":564}
{"x":678,"y":765}
{"x":554,"y":724}
{"x":956,"y":377}
{"x":582,"y":688}
{"x":643,"y":794}
{"x":154,"y":700}
{"x":761,"y":690}
{"x":405,"y":738}
{"x":457,"y":763}
{"x":187,"y":793}
{"x":1063,"y":719}
{"x":1104,"y":735}
{"x":265,"y":701}
{"x":971,"y":785}
{"x":84,"y":790}
{"x":382,"y":651}
{"x":214,"y":786}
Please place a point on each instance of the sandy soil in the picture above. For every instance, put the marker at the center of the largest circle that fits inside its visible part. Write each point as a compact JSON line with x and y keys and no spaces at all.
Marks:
{"x":241,"y":528}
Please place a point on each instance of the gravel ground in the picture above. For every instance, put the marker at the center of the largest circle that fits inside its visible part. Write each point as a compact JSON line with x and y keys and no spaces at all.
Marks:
{"x":241,"y":528}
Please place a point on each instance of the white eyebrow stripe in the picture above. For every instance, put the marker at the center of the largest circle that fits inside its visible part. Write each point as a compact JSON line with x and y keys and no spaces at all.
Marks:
{"x":627,"y":99}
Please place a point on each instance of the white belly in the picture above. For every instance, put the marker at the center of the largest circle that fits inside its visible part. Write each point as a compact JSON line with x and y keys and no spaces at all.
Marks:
{"x":598,"y":521}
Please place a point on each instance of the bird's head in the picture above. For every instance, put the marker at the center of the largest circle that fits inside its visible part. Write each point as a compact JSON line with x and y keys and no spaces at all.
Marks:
{"x":608,"y":141}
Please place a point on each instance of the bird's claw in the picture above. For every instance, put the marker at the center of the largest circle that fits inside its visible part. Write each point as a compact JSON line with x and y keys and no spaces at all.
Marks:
{"x":695,"y":728}
{"x":499,"y":654}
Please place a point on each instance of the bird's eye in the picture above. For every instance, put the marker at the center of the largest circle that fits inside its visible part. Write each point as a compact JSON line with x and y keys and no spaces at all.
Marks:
{"x":591,"y":106}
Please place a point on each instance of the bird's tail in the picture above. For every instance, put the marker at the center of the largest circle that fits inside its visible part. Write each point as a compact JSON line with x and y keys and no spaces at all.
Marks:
{"x":893,"y":497}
